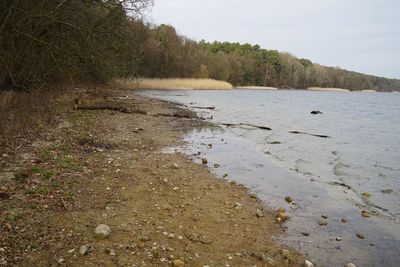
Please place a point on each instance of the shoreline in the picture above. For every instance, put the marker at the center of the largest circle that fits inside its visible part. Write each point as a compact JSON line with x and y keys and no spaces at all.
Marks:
{"x":105,"y":167}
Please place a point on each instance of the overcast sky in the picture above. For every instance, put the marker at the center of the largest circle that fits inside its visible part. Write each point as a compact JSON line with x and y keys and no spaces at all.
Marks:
{"x":359,"y":35}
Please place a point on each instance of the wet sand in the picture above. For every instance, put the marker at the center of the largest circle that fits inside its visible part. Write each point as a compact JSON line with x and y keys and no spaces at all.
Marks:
{"x":107,"y":167}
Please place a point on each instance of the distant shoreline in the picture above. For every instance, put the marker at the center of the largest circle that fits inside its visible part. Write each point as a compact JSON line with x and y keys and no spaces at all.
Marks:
{"x":256,"y":88}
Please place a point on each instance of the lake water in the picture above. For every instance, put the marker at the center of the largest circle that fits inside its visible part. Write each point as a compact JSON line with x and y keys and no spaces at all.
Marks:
{"x":356,"y":168}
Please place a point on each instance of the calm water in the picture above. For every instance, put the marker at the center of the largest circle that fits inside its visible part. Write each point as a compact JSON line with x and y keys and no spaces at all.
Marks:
{"x":363,"y":154}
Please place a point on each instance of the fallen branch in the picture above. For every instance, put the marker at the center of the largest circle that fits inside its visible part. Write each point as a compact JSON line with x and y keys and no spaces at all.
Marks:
{"x":247,"y":124}
{"x":316,"y":135}
{"x":210,"y":108}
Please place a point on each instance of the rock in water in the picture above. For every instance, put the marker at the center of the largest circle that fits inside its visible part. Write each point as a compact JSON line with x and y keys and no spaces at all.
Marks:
{"x":204,"y":161}
{"x":86,"y":249}
{"x":308,"y":264}
{"x":102,"y":230}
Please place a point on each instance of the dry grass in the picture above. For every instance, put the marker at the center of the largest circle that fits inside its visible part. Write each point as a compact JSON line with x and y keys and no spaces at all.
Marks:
{"x":257,"y":87}
{"x":327,"y":89}
{"x":175,"y":84}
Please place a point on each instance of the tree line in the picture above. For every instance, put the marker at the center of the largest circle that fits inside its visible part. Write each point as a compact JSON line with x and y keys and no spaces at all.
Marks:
{"x":58,"y":41}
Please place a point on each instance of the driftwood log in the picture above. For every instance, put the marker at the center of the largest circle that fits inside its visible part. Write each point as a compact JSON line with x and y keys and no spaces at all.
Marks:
{"x":316,"y":135}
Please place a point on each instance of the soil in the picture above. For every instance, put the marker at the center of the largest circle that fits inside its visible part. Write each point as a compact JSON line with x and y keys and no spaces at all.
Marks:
{"x":106,"y":167}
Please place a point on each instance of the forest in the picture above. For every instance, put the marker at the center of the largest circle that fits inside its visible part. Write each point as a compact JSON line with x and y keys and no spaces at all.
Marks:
{"x":47,"y":42}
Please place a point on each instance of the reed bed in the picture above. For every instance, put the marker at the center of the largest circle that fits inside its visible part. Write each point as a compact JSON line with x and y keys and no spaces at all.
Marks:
{"x":175,"y":84}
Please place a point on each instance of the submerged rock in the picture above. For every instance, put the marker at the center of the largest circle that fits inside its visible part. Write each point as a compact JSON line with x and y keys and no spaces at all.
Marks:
{"x":315,"y":112}
{"x":361,"y":235}
{"x":102,"y":230}
{"x":365,"y":214}
{"x":322,"y":221}
{"x":288,"y":199}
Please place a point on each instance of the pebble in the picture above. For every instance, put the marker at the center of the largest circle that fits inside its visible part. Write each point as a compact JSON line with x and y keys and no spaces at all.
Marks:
{"x":172,"y":236}
{"x":86,"y":249}
{"x":175,"y":166}
{"x":322,"y":221}
{"x":259,"y":213}
{"x":344,"y":220}
{"x":216,"y":165}
{"x":102,"y":230}
{"x":360,"y":235}
{"x":60,"y":260}
{"x":204,"y":161}
{"x":366,"y":194}
{"x":350,"y":265}
{"x":178,"y":263}
{"x":238,"y":205}
{"x":324,"y":216}
{"x":338,"y":239}
{"x":308,"y":264}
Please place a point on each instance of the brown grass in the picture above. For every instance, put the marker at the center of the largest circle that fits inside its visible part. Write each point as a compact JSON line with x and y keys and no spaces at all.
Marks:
{"x":175,"y":84}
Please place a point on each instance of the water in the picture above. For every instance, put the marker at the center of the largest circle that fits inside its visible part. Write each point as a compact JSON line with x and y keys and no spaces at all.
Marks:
{"x":363,"y":155}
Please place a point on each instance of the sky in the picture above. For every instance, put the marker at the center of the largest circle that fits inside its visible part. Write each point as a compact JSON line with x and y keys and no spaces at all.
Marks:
{"x":358,"y":35}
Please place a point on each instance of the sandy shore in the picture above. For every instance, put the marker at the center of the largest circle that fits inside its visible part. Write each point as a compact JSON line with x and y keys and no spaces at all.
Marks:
{"x":105,"y":167}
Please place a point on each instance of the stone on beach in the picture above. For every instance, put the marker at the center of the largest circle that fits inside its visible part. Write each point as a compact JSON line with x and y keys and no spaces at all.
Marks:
{"x":308,"y":264}
{"x":102,"y":230}
{"x":259,"y":213}
{"x":204,"y":161}
{"x":86,"y":249}
{"x":350,"y":265}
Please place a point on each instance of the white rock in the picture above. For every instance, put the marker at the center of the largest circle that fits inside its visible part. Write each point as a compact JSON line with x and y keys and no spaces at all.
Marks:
{"x":350,"y":264}
{"x":102,"y":230}
{"x":308,"y":264}
{"x":85,"y":249}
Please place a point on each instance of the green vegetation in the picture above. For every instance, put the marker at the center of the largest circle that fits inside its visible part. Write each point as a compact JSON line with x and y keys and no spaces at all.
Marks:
{"x":51,"y":42}
{"x":14,"y":215}
{"x":44,"y":173}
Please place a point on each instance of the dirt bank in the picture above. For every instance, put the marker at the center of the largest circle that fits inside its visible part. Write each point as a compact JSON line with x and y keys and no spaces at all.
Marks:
{"x":104,"y":166}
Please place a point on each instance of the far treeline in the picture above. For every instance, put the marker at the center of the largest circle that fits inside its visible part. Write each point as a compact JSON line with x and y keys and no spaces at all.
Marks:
{"x":46,"y":42}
